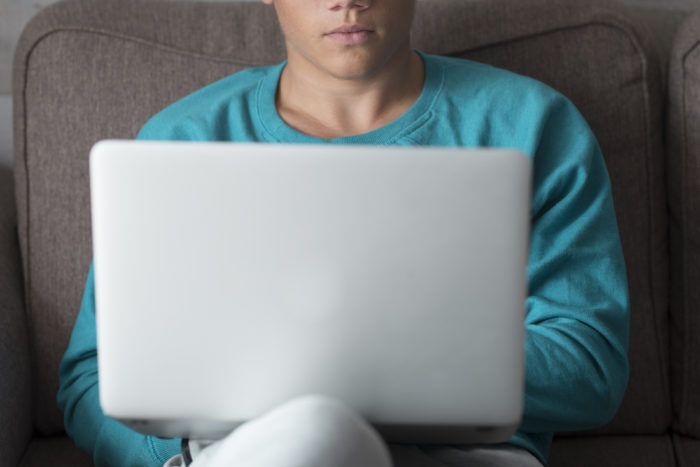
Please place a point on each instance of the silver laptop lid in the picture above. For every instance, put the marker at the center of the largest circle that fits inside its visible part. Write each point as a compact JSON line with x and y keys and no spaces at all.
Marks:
{"x":231,"y":278}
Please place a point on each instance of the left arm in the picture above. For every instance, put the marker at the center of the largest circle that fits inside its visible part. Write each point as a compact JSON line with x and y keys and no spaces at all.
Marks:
{"x":578,"y":307}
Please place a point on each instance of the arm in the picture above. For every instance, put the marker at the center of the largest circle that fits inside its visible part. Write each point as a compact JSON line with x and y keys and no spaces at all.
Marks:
{"x":108,"y":441}
{"x":578,"y":309}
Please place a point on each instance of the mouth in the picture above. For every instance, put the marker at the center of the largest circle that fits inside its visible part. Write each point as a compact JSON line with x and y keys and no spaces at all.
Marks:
{"x":350,"y":34}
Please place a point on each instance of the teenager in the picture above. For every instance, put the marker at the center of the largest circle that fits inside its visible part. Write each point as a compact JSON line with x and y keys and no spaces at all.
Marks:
{"x":352,"y":77}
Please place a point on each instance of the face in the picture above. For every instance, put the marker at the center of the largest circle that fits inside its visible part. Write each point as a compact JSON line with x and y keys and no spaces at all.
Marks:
{"x":346,"y":39}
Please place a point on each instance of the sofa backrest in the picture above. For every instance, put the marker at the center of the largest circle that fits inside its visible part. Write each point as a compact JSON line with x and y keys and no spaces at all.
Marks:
{"x":87,"y":70}
{"x":683,"y":168}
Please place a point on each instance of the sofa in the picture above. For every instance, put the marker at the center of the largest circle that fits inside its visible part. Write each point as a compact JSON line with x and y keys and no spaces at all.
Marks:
{"x":86,"y":70}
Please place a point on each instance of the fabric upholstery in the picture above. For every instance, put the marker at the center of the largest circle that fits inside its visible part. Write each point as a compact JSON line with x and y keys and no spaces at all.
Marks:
{"x":632,"y":451}
{"x":661,"y":21}
{"x":54,"y":451}
{"x":687,"y":451}
{"x":620,"y":451}
{"x":684,"y":197}
{"x":14,"y":348}
{"x":83,"y":73}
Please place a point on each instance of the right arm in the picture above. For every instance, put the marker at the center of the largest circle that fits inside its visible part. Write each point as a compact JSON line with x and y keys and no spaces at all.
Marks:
{"x":108,"y":441}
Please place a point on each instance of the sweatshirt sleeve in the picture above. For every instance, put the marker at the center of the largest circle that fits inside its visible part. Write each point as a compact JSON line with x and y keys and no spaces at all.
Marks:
{"x":578,"y":307}
{"x":109,"y":442}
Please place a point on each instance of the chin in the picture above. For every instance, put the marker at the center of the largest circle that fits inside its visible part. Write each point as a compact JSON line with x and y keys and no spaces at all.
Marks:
{"x":354,"y":69}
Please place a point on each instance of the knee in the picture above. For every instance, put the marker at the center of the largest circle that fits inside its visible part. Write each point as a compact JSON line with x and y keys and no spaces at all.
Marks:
{"x":325,"y":419}
{"x":315,"y":430}
{"x":322,"y":409}
{"x":337,"y":431}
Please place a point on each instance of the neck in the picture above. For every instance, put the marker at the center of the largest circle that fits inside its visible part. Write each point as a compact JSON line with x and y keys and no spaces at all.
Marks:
{"x":322,"y":105}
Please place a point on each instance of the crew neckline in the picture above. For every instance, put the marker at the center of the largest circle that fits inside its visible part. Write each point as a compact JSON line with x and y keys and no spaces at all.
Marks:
{"x":278,"y":130}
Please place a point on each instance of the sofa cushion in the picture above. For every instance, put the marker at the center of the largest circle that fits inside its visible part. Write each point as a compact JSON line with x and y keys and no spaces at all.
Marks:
{"x":618,"y":451}
{"x":89,"y":70}
{"x":613,"y":451}
{"x":58,"y":450}
{"x":15,"y":383}
{"x":683,"y":167}
{"x":687,"y":451}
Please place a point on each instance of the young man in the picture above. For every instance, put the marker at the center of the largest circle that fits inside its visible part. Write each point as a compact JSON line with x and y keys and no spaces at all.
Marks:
{"x":352,"y":77}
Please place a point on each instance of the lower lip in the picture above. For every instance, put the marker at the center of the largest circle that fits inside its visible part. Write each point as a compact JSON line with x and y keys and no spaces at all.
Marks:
{"x":350,"y":38}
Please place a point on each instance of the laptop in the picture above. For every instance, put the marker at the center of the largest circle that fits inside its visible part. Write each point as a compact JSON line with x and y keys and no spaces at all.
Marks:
{"x":231,"y":278}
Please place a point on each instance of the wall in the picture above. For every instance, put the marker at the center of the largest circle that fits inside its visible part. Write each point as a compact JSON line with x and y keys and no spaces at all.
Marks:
{"x":14,"y":14}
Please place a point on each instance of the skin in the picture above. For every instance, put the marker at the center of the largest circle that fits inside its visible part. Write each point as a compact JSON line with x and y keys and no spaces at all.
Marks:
{"x":352,"y":80}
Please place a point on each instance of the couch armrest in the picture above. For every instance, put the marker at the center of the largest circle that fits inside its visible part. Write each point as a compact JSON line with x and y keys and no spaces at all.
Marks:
{"x":15,"y":383}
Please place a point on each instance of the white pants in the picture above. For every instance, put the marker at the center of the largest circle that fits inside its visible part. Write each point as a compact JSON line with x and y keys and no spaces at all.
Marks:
{"x":316,"y":431}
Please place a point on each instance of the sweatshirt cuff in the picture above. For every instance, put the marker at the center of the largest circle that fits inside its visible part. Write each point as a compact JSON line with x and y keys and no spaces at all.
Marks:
{"x":163,"y":449}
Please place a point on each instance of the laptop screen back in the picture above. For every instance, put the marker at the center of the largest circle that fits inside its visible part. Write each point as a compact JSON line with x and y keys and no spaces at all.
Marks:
{"x":231,"y":278}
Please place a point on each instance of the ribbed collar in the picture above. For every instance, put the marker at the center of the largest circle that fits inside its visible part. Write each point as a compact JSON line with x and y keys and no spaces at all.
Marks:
{"x":277,"y":130}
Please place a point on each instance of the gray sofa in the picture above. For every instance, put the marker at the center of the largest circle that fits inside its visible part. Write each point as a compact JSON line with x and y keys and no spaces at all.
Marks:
{"x":86,"y":70}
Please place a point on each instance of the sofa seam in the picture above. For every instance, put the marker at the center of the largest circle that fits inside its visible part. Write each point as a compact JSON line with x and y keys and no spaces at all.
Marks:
{"x":677,"y":450}
{"x":655,"y":299}
{"x":143,"y":41}
{"x":648,"y":159}
{"x":684,"y":267}
{"x":26,"y":261}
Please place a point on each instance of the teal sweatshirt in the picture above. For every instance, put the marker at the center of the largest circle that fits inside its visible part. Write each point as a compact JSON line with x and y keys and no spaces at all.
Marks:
{"x":577,"y":307}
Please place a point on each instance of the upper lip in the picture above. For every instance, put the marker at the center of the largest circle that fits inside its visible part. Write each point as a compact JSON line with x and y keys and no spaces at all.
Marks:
{"x":347,"y":28}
